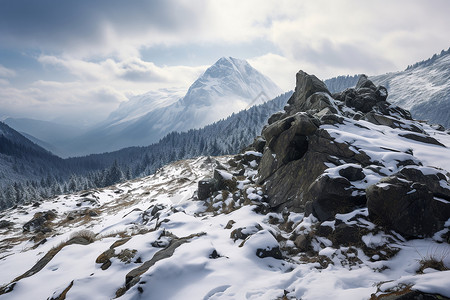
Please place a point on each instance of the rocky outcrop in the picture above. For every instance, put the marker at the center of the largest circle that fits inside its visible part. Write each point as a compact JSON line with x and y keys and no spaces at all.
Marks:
{"x":332,"y":195}
{"x":364,"y":96}
{"x":206,"y":187}
{"x":299,"y":150}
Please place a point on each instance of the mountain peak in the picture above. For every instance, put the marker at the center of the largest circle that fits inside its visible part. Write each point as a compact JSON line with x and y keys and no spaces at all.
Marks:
{"x":226,"y":60}
{"x":232,"y":76}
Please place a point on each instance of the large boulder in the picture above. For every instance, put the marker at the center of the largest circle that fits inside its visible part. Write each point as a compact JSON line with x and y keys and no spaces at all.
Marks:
{"x":410,"y":208}
{"x":206,"y":187}
{"x":288,"y":174}
{"x":332,"y":195}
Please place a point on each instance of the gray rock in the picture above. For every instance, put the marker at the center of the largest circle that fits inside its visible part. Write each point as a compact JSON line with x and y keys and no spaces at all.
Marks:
{"x":5,"y":224}
{"x":319,"y":101}
{"x":352,"y":173}
{"x":406,"y":207}
{"x":206,"y":187}
{"x":303,"y":242}
{"x":422,"y":139}
{"x":381,"y":93}
{"x":346,"y":235}
{"x":244,"y":232}
{"x":432,"y":181}
{"x":276,"y":117}
{"x":259,"y":144}
{"x":272,"y":252}
{"x":225,"y":180}
{"x":39,"y":222}
{"x":288,"y":183}
{"x":364,"y":82}
{"x":331,"y":196}
{"x":287,"y":142}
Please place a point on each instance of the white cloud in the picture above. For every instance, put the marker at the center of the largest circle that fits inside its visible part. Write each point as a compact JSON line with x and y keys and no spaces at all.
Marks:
{"x":5,"y":72}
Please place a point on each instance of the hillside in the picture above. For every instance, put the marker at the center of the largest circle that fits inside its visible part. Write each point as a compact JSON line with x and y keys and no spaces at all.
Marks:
{"x":343,"y":197}
{"x":423,"y":88}
{"x":21,"y":159}
{"x":427,"y":95}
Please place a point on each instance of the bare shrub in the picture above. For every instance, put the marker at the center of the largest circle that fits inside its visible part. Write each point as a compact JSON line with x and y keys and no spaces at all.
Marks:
{"x":86,"y":234}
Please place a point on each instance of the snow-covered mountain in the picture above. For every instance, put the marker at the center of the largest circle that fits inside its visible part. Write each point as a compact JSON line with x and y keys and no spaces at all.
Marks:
{"x":228,"y":86}
{"x":343,"y":197}
{"x":423,"y":88}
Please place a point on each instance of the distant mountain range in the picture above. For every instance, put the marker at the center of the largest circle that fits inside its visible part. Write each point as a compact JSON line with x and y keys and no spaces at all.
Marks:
{"x":423,"y":88}
{"x":226,"y":87}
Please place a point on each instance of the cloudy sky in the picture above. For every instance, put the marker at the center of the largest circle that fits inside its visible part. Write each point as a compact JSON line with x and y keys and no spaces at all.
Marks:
{"x":75,"y":61}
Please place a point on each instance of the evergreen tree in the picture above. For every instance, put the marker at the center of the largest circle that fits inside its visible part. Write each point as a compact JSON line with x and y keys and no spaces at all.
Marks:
{"x":114,"y":175}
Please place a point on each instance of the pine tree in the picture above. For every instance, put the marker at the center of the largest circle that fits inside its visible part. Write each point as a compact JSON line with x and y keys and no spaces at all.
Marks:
{"x":114,"y":175}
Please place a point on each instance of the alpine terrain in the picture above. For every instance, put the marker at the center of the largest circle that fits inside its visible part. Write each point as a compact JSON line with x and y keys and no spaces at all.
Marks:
{"x":343,"y":196}
{"x":228,"y":86}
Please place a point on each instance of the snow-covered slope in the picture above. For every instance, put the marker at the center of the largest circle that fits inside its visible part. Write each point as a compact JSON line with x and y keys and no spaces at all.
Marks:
{"x":138,"y":106}
{"x":151,"y":239}
{"x":424,"y":89}
{"x":228,"y":86}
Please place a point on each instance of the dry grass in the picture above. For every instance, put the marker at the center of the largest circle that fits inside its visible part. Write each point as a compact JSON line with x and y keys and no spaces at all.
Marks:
{"x":116,"y":233}
{"x":434,"y":259}
{"x":393,"y":293}
{"x":86,"y":234}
